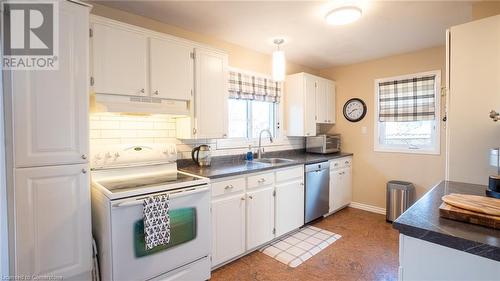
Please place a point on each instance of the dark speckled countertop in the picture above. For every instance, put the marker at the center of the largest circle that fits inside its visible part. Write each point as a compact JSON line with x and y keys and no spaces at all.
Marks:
{"x":225,"y":166}
{"x":422,"y":221}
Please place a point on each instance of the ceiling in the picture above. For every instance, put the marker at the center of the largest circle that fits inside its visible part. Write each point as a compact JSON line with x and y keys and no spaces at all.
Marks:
{"x":386,"y":27}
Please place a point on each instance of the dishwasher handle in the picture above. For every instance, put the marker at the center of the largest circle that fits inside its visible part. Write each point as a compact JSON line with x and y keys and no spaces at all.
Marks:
{"x":317,"y":167}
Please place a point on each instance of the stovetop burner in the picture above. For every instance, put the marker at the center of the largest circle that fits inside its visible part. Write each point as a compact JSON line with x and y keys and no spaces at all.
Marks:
{"x":130,"y":183}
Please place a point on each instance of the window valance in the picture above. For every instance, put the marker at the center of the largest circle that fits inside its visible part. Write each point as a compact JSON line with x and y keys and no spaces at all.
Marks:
{"x":252,"y":87}
{"x":408,"y":99}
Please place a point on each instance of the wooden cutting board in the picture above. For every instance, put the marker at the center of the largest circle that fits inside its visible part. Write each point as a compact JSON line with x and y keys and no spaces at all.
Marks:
{"x":478,"y":204}
{"x":454,"y":213}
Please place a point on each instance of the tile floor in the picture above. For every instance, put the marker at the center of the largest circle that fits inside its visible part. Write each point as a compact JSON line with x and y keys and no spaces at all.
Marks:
{"x":368,"y":250}
{"x":295,"y":248}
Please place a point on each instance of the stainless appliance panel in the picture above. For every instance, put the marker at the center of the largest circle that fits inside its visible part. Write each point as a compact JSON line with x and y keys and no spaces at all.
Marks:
{"x":316,"y":190}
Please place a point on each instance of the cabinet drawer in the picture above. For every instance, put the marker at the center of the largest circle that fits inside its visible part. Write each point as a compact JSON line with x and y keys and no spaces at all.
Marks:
{"x":260,"y":180}
{"x":346,"y":162}
{"x":291,"y":173}
{"x":340,"y":163}
{"x":335,"y":164}
{"x":228,"y":186}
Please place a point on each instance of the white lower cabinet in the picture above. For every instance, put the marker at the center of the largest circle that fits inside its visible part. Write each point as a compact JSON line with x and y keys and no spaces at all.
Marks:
{"x":260,"y":216}
{"x":289,"y":201}
{"x":249,"y":211}
{"x":228,"y":219}
{"x":340,"y":183}
{"x":53,"y":229}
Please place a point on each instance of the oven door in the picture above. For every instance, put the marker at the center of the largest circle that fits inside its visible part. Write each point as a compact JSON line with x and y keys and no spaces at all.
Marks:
{"x":189,"y":235}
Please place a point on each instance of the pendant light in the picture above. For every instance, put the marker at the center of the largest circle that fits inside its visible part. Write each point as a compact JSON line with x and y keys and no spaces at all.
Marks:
{"x":279,"y":63}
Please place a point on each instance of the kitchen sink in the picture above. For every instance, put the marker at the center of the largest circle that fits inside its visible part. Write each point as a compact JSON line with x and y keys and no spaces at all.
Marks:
{"x":274,"y":161}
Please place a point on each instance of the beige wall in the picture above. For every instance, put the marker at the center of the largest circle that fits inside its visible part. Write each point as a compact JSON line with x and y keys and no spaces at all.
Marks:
{"x":239,"y":56}
{"x":372,"y":169}
{"x":485,"y":9}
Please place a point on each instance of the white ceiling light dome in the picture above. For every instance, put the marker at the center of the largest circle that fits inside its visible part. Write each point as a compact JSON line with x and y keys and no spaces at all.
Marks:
{"x":343,"y":15}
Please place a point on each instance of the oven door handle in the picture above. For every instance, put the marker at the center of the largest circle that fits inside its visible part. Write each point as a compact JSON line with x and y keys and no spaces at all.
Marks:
{"x":173,"y":195}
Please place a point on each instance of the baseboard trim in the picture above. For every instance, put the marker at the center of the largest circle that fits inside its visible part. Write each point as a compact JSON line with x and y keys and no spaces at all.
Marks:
{"x":368,"y":208}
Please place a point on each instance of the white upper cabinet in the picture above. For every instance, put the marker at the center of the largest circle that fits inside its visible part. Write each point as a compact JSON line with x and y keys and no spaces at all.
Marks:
{"x":171,"y":65}
{"x":119,"y":58}
{"x":50,"y":108}
{"x":309,"y":100}
{"x":321,"y":101}
{"x":211,"y":94}
{"x":325,"y":101}
{"x":330,"y":101}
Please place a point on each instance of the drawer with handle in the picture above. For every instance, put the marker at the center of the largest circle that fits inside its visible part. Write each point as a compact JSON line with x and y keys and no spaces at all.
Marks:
{"x":228,"y":186}
{"x":260,"y":180}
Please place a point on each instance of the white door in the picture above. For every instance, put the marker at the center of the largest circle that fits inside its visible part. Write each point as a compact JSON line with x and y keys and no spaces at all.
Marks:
{"x":171,"y":65}
{"x":53,"y":228}
{"x":321,"y":101}
{"x":330,"y":101}
{"x":119,"y":58}
{"x":50,"y":108}
{"x":336,"y":181}
{"x":289,"y":206}
{"x":211,"y":94}
{"x":347,"y":186}
{"x":228,"y":228}
{"x":310,"y":106}
{"x":260,"y":217}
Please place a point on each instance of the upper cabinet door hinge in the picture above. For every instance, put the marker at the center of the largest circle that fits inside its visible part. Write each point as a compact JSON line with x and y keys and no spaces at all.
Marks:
{"x":274,"y":230}
{"x":91,"y":33}
{"x":274,"y":193}
{"x":91,"y":81}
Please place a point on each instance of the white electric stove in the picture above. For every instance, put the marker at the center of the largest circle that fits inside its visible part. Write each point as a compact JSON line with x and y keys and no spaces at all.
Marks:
{"x":122,"y":177}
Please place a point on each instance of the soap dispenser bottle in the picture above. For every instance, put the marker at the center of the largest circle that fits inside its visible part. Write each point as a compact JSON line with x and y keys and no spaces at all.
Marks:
{"x":249,"y":156}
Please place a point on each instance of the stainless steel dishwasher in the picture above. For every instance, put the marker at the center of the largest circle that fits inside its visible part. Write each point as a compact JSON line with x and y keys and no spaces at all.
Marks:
{"x":316,"y":190}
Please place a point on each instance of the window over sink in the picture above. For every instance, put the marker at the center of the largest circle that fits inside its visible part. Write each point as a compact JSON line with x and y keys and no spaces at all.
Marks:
{"x":407,"y":113}
{"x":248,"y":117}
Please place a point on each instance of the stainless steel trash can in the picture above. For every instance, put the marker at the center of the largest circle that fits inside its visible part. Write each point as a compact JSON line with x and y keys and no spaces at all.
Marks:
{"x":400,"y":196}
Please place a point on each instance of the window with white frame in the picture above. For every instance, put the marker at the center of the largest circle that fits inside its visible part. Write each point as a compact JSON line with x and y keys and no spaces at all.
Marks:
{"x":253,"y":105}
{"x":247,"y":118}
{"x":407,"y":113}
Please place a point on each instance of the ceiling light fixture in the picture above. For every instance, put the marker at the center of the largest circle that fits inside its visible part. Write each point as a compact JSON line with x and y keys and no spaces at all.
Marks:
{"x":279,"y":63}
{"x":343,"y":15}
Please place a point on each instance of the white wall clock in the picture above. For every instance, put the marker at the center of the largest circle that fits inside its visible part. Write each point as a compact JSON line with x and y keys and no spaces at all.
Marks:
{"x":354,"y":110}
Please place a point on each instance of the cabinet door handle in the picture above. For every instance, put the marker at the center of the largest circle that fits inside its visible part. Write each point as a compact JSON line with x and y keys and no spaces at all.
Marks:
{"x":262,"y":180}
{"x":242,"y":198}
{"x":142,"y":90}
{"x":84,"y":156}
{"x":301,"y":183}
{"x":228,"y":187}
{"x":250,"y":196}
{"x":84,"y":171}
{"x":194,"y":131}
{"x":156,"y":92}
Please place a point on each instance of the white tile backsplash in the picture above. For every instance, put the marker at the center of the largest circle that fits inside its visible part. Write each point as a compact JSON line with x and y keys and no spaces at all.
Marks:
{"x":109,"y":129}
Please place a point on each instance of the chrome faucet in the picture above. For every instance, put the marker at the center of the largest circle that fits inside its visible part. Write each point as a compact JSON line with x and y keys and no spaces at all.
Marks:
{"x":259,"y":152}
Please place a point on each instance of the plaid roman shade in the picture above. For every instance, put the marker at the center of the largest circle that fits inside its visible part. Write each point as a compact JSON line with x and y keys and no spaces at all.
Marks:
{"x":249,"y":87}
{"x":407,"y":100}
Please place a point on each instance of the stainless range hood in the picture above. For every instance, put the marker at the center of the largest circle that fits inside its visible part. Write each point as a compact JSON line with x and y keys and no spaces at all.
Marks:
{"x":138,"y":104}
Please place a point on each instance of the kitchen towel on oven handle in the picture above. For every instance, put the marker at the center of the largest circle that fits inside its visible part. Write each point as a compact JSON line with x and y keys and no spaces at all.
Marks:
{"x":156,"y":220}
